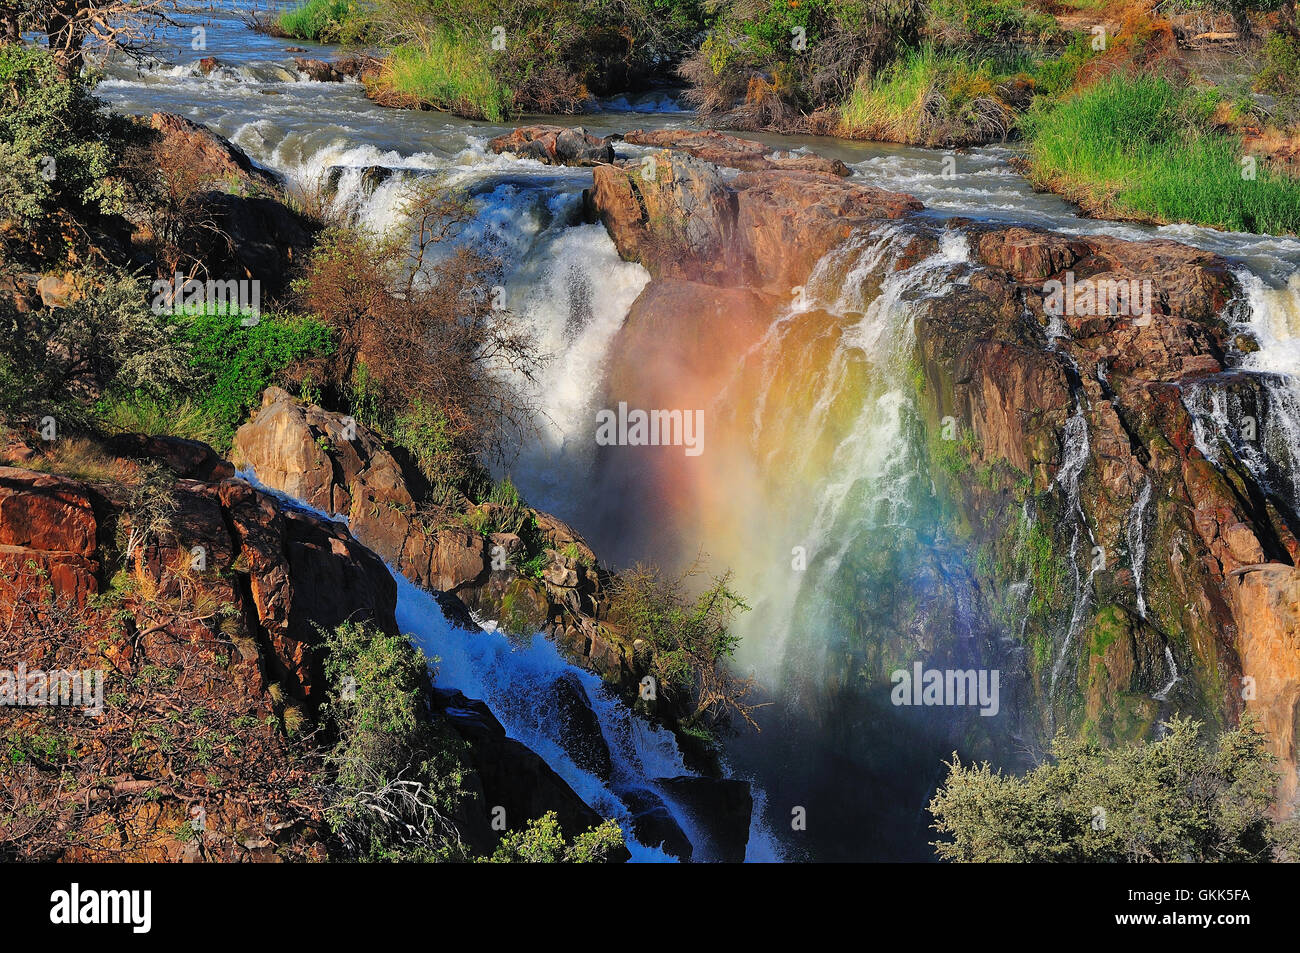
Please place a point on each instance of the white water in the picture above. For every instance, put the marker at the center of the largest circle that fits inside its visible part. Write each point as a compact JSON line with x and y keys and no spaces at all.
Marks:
{"x":1137,"y":542}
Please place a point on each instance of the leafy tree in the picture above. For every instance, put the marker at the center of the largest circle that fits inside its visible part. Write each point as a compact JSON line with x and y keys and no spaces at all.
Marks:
{"x":1173,"y":799}
{"x":396,"y":777}
{"x":58,"y":149}
{"x":692,"y":640}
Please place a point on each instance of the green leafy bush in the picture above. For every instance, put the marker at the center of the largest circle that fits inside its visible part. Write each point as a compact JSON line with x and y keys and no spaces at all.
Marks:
{"x":58,"y":149}
{"x":542,"y":842}
{"x":232,"y":364}
{"x":1170,"y":800}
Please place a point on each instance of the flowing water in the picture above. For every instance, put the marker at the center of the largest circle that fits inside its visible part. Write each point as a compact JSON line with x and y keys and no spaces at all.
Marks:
{"x":814,"y":490}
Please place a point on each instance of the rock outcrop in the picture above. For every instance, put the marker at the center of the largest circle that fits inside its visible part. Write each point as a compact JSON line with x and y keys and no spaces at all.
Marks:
{"x":555,"y":145}
{"x":230,"y":591}
{"x":761,"y":231}
{"x":733,"y":153}
{"x":344,"y":469}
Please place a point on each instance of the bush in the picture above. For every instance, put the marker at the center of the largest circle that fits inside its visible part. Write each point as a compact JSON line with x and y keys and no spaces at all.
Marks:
{"x":59,"y":152}
{"x":325,"y":21}
{"x":691,"y":639}
{"x":232,"y":364}
{"x":963,"y":21}
{"x":1175,"y":799}
{"x":106,"y":340}
{"x":396,"y":776}
{"x":542,"y":842}
{"x":754,"y":51}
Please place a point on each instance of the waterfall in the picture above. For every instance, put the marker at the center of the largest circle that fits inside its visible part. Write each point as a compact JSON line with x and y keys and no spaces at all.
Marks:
{"x":1137,"y":542}
{"x":1255,"y":409}
{"x":1163,"y":694}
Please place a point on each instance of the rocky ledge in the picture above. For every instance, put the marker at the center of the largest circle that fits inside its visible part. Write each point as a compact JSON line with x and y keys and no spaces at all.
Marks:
{"x":1020,"y":380}
{"x":230,"y":593}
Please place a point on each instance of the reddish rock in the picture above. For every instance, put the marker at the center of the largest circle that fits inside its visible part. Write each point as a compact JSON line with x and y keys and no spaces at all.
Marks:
{"x":761,"y":230}
{"x":733,"y":153}
{"x":206,"y":153}
{"x":555,"y":145}
{"x":318,"y":70}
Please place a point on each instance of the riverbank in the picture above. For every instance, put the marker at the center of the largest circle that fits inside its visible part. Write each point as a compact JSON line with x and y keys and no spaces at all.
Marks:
{"x":1122,"y":110}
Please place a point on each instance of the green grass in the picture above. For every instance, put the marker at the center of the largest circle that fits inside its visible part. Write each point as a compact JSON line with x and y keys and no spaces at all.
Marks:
{"x":233,"y":364}
{"x":1140,"y":147}
{"x":889,"y":107}
{"x":325,"y":21}
{"x":158,"y":417}
{"x":449,"y":72}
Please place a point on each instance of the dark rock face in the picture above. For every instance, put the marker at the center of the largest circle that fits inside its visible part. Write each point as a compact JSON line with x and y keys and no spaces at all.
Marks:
{"x":721,"y":807}
{"x":190,"y":459}
{"x":581,"y":732}
{"x":555,"y":145}
{"x":264,"y":240}
{"x":654,"y":825}
{"x":211,"y":155}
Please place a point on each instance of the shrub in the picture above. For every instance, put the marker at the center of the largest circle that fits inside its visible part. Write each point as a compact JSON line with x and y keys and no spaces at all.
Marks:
{"x":325,"y":21}
{"x":1174,"y":799}
{"x":232,"y":364}
{"x":691,"y":638}
{"x":542,"y":842}
{"x":396,"y":776}
{"x":58,"y":149}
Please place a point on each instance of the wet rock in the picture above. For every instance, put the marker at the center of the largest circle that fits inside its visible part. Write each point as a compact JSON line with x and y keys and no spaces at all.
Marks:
{"x":580,"y":731}
{"x":318,"y":70}
{"x":653,"y":823}
{"x":1266,"y":605}
{"x":731,"y":152}
{"x":208,"y":64}
{"x":555,"y":145}
{"x":722,"y":808}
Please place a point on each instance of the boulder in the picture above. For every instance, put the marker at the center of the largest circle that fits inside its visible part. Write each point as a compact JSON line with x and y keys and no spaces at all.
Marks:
{"x":653,"y":823}
{"x":555,"y":145}
{"x":762,"y":231}
{"x":721,"y":808}
{"x":731,"y":152}
{"x":580,"y":731}
{"x":318,"y":70}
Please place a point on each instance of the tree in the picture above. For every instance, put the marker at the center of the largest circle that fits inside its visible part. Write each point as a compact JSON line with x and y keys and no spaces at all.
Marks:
{"x":1174,"y":799}
{"x":423,"y":346}
{"x":69,"y":25}
{"x":691,"y":638}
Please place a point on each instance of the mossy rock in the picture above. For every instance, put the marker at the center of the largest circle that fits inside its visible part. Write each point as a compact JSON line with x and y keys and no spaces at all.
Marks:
{"x":524,"y":607}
